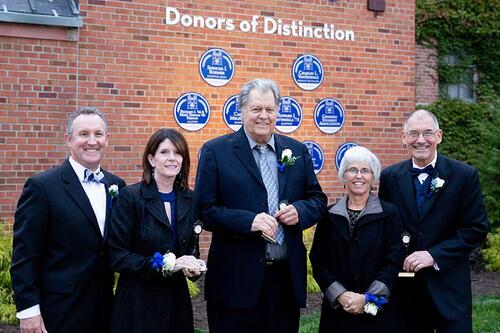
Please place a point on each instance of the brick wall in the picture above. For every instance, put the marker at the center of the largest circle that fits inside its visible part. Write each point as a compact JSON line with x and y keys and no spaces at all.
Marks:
{"x":426,"y":76}
{"x":132,"y":66}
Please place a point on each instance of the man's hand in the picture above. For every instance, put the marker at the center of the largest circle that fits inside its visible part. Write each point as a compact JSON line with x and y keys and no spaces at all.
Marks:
{"x":265,"y":223}
{"x":418,"y":260}
{"x":288,"y":215}
{"x":352,"y":302}
{"x":33,"y":325}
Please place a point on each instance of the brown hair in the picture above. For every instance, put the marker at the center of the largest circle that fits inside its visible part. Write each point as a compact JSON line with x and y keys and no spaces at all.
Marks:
{"x":180,"y":144}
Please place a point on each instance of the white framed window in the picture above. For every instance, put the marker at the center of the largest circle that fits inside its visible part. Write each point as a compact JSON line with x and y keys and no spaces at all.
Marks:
{"x":465,"y":80}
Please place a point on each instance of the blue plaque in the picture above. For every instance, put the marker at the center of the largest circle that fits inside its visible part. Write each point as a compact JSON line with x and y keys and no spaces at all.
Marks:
{"x":307,"y":72}
{"x":329,"y":115}
{"x":216,"y":67}
{"x":232,"y":114}
{"x":289,"y":116}
{"x":191,"y":111}
{"x":317,"y":155}
{"x":339,"y":155}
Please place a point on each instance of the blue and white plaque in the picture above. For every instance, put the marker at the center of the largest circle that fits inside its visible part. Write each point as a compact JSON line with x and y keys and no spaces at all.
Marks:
{"x":317,"y":155}
{"x":192,"y":111}
{"x":232,"y":114}
{"x":289,"y":116}
{"x":216,"y":67}
{"x":339,"y":155}
{"x":329,"y":115}
{"x":307,"y":72}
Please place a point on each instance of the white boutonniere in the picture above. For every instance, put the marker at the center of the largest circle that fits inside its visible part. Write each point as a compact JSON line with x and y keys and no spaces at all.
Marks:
{"x":437,"y":184}
{"x":164,"y":263}
{"x":287,"y":159}
{"x":113,"y":191}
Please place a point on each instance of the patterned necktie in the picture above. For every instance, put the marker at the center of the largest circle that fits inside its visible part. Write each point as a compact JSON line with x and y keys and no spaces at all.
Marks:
{"x":89,"y":176}
{"x":272,"y":188}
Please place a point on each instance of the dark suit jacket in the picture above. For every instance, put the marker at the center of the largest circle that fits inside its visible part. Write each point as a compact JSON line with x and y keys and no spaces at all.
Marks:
{"x":231,"y":194}
{"x":452,"y":223}
{"x":146,"y":301}
{"x":59,"y":254}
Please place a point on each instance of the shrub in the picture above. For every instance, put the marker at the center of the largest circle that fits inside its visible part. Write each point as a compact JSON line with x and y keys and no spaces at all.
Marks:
{"x":7,"y":306}
{"x":312,"y":286}
{"x":492,"y":252}
{"x":471,"y":135}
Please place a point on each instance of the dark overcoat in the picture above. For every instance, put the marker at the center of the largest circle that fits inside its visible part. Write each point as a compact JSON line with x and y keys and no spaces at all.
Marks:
{"x":374,"y":251}
{"x":232,"y":193}
{"x":145,"y":300}
{"x":59,"y":254}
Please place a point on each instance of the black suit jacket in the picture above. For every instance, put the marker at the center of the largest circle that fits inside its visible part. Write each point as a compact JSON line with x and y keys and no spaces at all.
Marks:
{"x":452,"y":223}
{"x":146,"y":301}
{"x":59,"y":254}
{"x":231,"y":194}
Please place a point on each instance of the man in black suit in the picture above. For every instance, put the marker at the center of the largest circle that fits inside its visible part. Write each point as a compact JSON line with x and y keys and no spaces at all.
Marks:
{"x":60,"y":276}
{"x":253,"y":285}
{"x":442,"y":208}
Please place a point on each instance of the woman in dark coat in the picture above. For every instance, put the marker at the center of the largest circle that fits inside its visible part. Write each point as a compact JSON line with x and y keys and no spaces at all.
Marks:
{"x":357,"y":251}
{"x":156,"y":215}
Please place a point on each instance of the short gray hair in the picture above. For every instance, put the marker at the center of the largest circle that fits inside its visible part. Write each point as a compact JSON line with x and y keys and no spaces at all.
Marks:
{"x":420,"y":114}
{"x":359,"y":154}
{"x":85,"y":110}
{"x":263,"y":85}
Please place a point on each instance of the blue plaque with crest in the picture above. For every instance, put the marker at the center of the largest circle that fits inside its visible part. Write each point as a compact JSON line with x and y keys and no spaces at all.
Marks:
{"x":317,"y":155}
{"x":307,"y":72}
{"x":339,"y":155}
{"x":232,"y":114}
{"x":289,"y":116}
{"x":329,"y":115}
{"x":216,"y":67}
{"x":192,"y":111}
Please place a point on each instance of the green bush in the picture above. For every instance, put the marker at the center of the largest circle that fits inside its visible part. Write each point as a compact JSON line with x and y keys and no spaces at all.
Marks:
{"x":312,"y":286}
{"x":7,"y":307}
{"x":492,"y":253}
{"x":470,"y":134}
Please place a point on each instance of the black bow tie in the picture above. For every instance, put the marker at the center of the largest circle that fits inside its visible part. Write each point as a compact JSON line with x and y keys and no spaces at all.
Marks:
{"x":416,"y":171}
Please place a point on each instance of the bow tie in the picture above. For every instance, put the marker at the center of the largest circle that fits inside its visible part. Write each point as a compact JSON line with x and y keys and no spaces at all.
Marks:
{"x":90,"y":176}
{"x":416,"y":171}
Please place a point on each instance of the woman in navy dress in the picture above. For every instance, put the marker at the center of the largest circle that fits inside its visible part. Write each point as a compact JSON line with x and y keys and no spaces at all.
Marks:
{"x":156,"y":215}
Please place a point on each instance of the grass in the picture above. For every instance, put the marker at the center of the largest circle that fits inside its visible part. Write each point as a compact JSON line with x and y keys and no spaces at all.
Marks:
{"x":485,"y":317}
{"x":486,"y":314}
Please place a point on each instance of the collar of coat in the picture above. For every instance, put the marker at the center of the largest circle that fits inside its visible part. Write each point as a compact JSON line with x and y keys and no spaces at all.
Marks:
{"x":373,"y":206}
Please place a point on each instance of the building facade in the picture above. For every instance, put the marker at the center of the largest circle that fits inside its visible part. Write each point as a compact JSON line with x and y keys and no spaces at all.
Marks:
{"x":139,"y":61}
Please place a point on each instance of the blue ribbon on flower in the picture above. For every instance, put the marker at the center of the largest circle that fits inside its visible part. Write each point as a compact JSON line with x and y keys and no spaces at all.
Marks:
{"x":377,"y":300}
{"x":157,"y":261}
{"x":281,"y":167}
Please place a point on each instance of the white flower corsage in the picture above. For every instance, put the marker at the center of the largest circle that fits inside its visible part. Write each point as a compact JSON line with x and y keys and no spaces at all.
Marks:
{"x":373,"y":303}
{"x":163,"y":263}
{"x":437,"y":184}
{"x":287,"y":159}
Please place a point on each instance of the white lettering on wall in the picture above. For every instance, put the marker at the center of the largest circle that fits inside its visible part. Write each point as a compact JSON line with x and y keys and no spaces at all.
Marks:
{"x":270,"y":25}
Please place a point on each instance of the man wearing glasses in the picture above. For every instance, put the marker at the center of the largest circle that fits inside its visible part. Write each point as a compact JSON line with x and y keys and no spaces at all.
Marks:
{"x":442,"y":209}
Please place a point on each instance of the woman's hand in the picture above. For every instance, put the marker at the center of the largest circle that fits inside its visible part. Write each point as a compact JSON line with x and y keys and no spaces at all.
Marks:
{"x":190,"y":266}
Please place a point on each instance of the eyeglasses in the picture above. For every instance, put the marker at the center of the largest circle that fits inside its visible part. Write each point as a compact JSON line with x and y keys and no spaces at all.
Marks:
{"x":354,"y":171}
{"x":426,"y":134}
